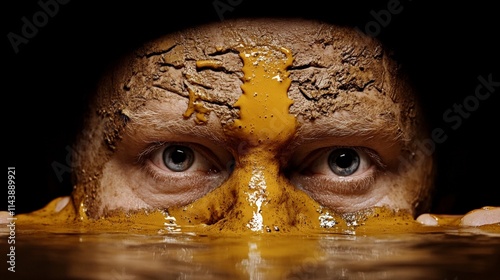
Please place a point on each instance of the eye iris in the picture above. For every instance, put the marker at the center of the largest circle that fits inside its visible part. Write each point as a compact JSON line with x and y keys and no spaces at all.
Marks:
{"x":344,"y":162}
{"x":178,"y":158}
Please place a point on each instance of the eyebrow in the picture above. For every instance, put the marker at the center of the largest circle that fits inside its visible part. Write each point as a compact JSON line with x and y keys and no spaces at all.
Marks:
{"x":349,"y":125}
{"x":154,"y":122}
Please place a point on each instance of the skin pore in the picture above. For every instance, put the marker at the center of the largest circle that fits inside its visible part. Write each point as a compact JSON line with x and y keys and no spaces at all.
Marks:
{"x":255,"y":125}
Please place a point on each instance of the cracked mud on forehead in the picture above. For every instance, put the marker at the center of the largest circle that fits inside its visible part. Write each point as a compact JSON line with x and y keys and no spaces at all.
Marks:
{"x":327,"y":70}
{"x":202,"y":64}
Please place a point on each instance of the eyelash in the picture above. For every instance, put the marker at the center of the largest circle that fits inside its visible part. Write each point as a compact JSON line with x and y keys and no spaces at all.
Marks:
{"x":374,"y":157}
{"x":342,"y":186}
{"x":339,"y":184}
{"x":146,"y":153}
{"x":148,"y":167}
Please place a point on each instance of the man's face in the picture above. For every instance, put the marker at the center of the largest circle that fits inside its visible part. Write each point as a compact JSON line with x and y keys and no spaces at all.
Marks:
{"x":254,"y":125}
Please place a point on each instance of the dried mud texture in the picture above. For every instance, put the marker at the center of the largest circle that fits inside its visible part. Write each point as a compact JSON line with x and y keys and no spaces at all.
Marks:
{"x":202,"y":64}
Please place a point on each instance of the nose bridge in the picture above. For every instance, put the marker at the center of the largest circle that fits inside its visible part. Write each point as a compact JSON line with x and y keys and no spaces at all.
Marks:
{"x":256,"y":194}
{"x":264,"y":199}
{"x":264,"y":188}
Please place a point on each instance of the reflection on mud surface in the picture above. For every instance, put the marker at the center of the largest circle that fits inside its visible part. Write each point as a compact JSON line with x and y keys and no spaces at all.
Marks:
{"x":438,"y":255}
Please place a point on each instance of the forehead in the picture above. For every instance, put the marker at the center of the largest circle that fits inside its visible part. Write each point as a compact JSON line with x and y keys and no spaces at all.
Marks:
{"x":333,"y":68}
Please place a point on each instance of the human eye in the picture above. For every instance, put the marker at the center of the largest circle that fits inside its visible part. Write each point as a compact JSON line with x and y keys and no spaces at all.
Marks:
{"x":182,"y":172}
{"x":338,"y":162}
{"x":173,"y":159}
{"x":333,"y":175}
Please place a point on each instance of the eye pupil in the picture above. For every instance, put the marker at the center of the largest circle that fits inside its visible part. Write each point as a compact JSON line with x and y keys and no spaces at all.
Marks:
{"x":343,"y":162}
{"x":178,"y":158}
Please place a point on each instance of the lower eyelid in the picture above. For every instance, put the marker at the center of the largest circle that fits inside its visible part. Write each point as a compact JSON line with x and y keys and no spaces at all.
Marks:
{"x":357,"y":185}
{"x":185,"y":179}
{"x":155,"y":172}
{"x":164,"y":191}
{"x":324,"y":183}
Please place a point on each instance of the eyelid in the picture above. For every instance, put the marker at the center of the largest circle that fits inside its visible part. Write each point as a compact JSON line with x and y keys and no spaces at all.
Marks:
{"x":333,"y":190}
{"x":179,"y":188}
{"x":386,"y":150}
{"x":165,"y":188}
{"x":144,"y":154}
{"x":310,"y":157}
{"x":205,"y":152}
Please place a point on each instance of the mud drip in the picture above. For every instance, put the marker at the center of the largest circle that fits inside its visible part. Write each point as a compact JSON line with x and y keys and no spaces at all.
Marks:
{"x":264,"y":116}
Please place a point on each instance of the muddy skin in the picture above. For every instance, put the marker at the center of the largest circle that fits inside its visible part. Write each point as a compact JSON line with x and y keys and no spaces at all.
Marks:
{"x":264,"y":100}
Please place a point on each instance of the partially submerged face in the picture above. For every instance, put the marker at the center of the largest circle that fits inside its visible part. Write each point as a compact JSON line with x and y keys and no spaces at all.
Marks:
{"x":254,"y":125}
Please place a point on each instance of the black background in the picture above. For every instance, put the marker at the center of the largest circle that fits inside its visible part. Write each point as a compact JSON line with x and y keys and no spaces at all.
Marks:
{"x":445,"y":46}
